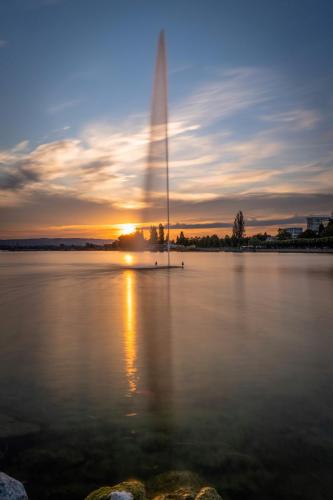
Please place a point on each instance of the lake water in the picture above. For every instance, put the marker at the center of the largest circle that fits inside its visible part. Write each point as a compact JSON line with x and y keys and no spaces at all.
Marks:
{"x":224,"y":367}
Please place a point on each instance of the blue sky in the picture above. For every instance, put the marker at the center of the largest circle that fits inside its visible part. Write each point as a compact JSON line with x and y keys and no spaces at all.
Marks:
{"x":251,"y":110}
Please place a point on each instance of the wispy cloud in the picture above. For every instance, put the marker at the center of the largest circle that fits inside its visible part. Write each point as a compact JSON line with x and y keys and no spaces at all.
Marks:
{"x":298,"y":119}
{"x":3,"y":43}
{"x":62,"y":106}
{"x":179,"y":69}
{"x":233,"y":91}
{"x":215,"y":170}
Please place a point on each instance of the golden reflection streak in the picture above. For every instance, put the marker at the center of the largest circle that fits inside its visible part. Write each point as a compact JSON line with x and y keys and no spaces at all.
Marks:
{"x":130,"y":333}
{"x":128,"y":258}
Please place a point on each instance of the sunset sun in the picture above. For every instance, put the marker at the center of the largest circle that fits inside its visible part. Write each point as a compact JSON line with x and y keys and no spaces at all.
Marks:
{"x":127,"y":228}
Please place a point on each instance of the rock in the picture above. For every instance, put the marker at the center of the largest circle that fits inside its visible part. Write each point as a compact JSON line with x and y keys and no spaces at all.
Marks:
{"x":208,"y":493}
{"x":121,"y":495}
{"x":128,"y":490}
{"x":175,"y":485}
{"x":180,"y":494}
{"x":106,"y":493}
{"x":103,"y":493}
{"x":11,"y":489}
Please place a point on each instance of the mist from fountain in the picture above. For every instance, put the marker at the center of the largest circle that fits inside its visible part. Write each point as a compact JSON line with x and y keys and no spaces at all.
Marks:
{"x":156,"y":189}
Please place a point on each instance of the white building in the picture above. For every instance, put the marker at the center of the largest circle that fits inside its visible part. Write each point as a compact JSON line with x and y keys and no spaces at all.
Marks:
{"x":313,"y":221}
{"x":294,"y":231}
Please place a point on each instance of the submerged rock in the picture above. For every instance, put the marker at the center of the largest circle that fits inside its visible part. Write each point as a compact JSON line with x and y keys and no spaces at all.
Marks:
{"x":11,"y":489}
{"x":128,"y":490}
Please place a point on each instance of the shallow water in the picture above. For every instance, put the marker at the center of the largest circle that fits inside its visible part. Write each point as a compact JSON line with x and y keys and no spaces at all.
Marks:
{"x":224,"y":368}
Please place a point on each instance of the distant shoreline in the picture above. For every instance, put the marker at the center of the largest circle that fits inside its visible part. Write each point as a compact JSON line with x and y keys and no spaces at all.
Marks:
{"x":185,"y":250}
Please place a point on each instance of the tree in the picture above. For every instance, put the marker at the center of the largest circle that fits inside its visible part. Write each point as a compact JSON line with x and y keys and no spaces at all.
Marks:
{"x":321,"y":229}
{"x":328,"y":231}
{"x":214,"y":241}
{"x":134,"y":241}
{"x":153,"y":238}
{"x":283,"y":234}
{"x":227,"y":241}
{"x":238,"y":230}
{"x":181,"y":239}
{"x":161,"y":238}
{"x":308,"y":233}
{"x":261,"y":236}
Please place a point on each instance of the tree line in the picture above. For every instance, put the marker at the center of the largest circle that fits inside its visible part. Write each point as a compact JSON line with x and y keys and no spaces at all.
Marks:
{"x":157,"y":239}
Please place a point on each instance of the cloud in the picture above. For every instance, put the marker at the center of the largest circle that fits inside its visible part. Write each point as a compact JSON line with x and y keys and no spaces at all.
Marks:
{"x":234,"y":91}
{"x":215,"y":168}
{"x":60,"y":130}
{"x":258,"y":207}
{"x":249,"y":222}
{"x":180,"y":69}
{"x":17,"y":177}
{"x":62,"y":106}
{"x":298,"y":119}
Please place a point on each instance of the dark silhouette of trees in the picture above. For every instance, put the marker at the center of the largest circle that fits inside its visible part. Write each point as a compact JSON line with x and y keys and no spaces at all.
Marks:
{"x":328,"y":231}
{"x":308,"y":233}
{"x":161,"y":238}
{"x":261,"y":236}
{"x":283,"y":234}
{"x":238,"y":230}
{"x":308,"y":239}
{"x":153,"y":238}
{"x":134,"y":241}
{"x":321,"y":229}
{"x":181,"y":240}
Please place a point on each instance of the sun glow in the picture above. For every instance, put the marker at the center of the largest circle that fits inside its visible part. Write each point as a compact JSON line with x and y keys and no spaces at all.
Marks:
{"x":127,"y":228}
{"x":128,"y":258}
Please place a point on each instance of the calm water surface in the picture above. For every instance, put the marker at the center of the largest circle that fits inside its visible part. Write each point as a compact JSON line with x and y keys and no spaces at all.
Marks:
{"x":224,"y":368}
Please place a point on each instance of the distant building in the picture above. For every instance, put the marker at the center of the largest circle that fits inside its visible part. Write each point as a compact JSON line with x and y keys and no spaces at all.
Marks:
{"x":313,"y":221}
{"x":294,"y":231}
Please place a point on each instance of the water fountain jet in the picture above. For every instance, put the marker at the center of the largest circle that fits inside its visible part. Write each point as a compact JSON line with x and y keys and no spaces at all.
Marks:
{"x":157,"y":196}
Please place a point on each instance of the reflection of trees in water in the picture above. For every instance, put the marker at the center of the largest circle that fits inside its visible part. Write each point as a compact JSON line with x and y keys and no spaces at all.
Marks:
{"x":239,"y":288}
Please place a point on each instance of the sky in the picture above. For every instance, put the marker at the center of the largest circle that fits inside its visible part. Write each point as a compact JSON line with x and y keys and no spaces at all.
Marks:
{"x":250,"y":111}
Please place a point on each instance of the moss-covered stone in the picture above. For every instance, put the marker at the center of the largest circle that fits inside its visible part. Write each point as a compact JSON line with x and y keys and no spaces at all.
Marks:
{"x":180,"y":494}
{"x":135,"y":488}
{"x":208,"y":493}
{"x":103,"y":493}
{"x":174,"y":485}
